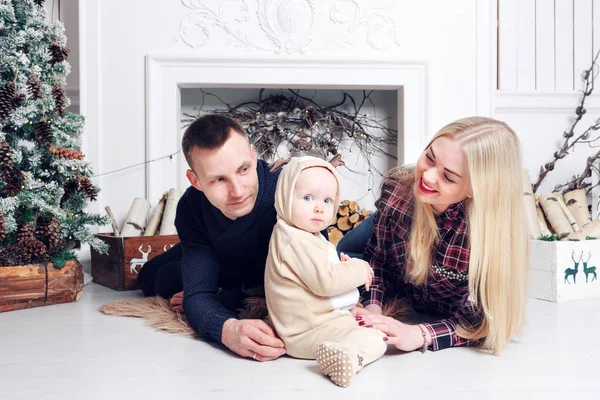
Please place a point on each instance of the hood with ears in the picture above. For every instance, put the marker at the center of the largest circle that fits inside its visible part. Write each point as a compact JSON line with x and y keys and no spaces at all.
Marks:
{"x":284,"y":193}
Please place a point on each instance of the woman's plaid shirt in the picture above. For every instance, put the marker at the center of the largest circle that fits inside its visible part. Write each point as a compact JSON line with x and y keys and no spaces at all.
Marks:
{"x":446,"y":291}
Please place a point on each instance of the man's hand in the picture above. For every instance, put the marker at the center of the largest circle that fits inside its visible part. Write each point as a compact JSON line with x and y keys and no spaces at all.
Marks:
{"x":176,"y":302}
{"x":252,"y":338}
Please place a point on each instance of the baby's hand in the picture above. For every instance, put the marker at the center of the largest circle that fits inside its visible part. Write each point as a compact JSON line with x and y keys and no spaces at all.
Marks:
{"x":344,"y":257}
{"x":370,"y":275}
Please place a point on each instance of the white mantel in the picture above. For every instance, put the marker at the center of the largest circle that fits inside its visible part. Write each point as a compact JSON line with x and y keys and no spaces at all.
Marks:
{"x":439,"y":55}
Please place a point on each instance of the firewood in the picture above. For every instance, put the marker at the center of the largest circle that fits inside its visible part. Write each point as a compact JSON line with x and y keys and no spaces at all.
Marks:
{"x":577,"y":204}
{"x":353,"y":206}
{"x":354,"y":217}
{"x":559,"y":222}
{"x":335,"y":235}
{"x":366,"y":213}
{"x":544,"y":229}
{"x":113,"y":221}
{"x":167,"y":226}
{"x":567,"y":212}
{"x":136,"y":218}
{"x":343,"y":211}
{"x":592,"y":229}
{"x":156,"y":216}
{"x":357,"y":223}
{"x":530,"y":211}
{"x":344,"y":224}
{"x":346,"y":202}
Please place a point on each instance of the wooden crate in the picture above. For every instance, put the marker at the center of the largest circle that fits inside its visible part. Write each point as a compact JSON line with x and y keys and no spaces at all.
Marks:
{"x":36,"y":285}
{"x":126,"y":256}
{"x":564,"y":271}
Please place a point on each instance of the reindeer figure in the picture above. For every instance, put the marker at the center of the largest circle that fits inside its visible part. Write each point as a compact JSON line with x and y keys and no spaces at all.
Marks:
{"x":573,"y":271}
{"x":134,"y":262}
{"x":165,"y":247}
{"x":591,"y":270}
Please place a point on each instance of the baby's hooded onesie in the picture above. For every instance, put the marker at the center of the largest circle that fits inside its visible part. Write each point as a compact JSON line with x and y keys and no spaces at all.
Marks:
{"x":308,"y":289}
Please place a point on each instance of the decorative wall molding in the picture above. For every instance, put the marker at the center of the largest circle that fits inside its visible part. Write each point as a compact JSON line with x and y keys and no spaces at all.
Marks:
{"x":535,"y":101}
{"x":167,"y":75}
{"x":290,"y":26}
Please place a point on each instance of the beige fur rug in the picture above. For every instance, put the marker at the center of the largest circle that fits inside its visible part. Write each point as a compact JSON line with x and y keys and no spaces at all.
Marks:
{"x":156,"y":312}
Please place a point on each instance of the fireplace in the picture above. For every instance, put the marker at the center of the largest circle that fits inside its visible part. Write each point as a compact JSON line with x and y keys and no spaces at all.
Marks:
{"x":168,"y":76}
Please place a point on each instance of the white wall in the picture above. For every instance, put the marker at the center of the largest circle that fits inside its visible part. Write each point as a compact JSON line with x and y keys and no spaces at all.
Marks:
{"x":117,"y":35}
{"x":544,"y":46}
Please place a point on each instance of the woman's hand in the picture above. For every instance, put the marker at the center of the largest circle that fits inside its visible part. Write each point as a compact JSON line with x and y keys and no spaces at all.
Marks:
{"x":404,"y":337}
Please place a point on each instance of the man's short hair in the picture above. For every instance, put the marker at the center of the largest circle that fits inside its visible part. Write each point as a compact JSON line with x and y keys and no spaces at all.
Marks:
{"x":209,"y":132}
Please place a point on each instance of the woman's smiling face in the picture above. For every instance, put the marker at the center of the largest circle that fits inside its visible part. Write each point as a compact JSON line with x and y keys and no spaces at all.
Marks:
{"x":442,"y":175}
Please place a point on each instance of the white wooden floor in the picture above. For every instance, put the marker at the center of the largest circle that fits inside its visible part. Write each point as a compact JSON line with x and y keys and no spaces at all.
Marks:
{"x":72,"y":351}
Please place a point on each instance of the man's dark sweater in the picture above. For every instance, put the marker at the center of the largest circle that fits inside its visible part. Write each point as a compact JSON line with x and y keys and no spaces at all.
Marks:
{"x":221,"y":254}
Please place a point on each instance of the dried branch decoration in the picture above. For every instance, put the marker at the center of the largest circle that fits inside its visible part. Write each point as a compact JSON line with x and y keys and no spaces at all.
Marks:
{"x":577,"y":181}
{"x":307,"y":126}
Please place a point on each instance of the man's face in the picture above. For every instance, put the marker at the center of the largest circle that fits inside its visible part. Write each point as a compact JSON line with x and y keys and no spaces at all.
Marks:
{"x":313,"y":201}
{"x":227,"y":176}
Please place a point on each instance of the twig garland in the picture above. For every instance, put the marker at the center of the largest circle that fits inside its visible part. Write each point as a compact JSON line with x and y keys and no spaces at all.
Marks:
{"x":306,"y":126}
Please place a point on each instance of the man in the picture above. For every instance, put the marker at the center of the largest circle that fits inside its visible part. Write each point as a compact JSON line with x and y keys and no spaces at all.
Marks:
{"x":224,"y":222}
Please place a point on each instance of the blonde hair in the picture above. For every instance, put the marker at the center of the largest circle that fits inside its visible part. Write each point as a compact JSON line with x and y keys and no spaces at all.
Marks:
{"x":498,"y":263}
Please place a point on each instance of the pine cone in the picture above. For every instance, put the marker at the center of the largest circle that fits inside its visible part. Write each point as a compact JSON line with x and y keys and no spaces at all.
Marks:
{"x":3,"y":259}
{"x":43,"y":133}
{"x":39,"y":3}
{"x":32,"y":250}
{"x":18,"y":100}
{"x":56,"y":247}
{"x":87,"y":188}
{"x":48,"y":231}
{"x":10,"y":255}
{"x":58,"y":53}
{"x":25,"y":232}
{"x":2,"y":229}
{"x":69,"y":154}
{"x":34,"y":87}
{"x":58,"y":92}
{"x":70,"y":187}
{"x":5,"y":156}
{"x":13,"y":180}
{"x":7,"y":99}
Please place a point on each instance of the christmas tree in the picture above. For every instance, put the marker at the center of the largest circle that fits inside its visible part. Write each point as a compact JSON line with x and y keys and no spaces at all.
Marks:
{"x":44,"y":178}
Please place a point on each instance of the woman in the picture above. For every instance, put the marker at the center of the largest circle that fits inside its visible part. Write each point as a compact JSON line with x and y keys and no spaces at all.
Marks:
{"x":449,"y":235}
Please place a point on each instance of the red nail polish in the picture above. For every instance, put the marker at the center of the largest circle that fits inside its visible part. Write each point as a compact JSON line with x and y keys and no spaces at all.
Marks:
{"x":361,"y":323}
{"x":369,"y":326}
{"x":358,"y":318}
{"x":385,"y":339}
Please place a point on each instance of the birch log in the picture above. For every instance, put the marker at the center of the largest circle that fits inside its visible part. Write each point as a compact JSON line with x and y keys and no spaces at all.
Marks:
{"x":530,"y":211}
{"x":136,"y":218}
{"x":545,"y":231}
{"x":592,"y":229}
{"x":167,"y":226}
{"x":559,"y":222}
{"x":567,"y":212}
{"x":156,"y":217}
{"x":577,"y":204}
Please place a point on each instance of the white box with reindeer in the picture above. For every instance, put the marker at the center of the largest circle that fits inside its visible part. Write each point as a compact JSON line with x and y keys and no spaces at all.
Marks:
{"x":564,"y":270}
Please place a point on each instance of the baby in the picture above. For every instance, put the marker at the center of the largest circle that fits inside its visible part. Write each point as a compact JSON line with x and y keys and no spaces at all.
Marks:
{"x":308,"y":289}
